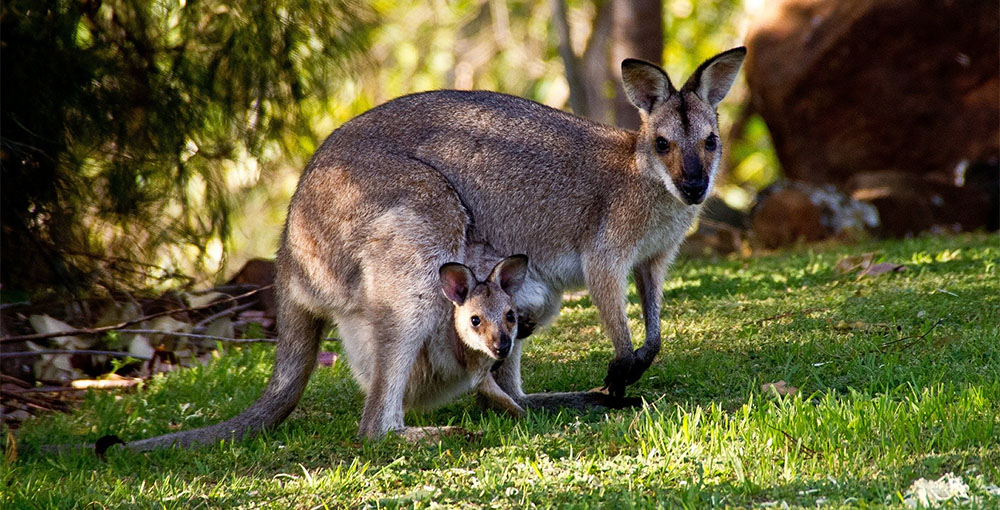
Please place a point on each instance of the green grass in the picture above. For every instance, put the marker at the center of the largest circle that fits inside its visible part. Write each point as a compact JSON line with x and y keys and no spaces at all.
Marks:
{"x":872,"y":414}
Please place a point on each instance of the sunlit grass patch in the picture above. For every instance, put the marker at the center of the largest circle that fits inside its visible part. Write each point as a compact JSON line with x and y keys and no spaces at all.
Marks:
{"x":896,"y":378}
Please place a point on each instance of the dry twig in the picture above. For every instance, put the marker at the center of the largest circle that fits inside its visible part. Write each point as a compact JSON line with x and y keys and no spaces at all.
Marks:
{"x":198,"y":336}
{"x":787,"y":314}
{"x":117,"y":354}
{"x":113,"y":327}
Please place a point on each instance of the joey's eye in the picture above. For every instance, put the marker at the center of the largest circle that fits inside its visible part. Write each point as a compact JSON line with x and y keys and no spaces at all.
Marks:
{"x":711,"y":142}
{"x":662,"y":145}
{"x":510,"y":316}
{"x":475,"y":321}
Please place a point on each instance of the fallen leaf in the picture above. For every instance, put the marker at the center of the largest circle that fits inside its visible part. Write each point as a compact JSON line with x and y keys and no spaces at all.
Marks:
{"x":10,"y":453}
{"x":780,"y":388}
{"x":854,"y":263}
{"x":117,"y":313}
{"x":168,"y":324}
{"x":882,"y":268}
{"x":223,"y":326}
{"x":865,"y":265}
{"x":140,"y":347}
{"x":53,"y":367}
{"x":327,"y":358}
{"x":47,"y":325}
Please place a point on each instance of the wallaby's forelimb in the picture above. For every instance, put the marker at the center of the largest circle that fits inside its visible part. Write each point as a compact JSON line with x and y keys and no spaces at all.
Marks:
{"x":508,"y":374}
{"x":607,"y":291}
{"x":295,"y":358}
{"x":649,"y":276}
{"x":496,"y":398}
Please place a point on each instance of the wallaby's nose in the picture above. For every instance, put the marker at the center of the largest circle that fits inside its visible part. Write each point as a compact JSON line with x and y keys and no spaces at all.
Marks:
{"x":693,"y":181}
{"x":693,"y":191}
{"x":503,"y":347}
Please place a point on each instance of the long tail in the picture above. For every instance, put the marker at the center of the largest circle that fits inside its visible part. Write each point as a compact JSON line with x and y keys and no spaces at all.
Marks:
{"x":295,"y":358}
{"x":579,"y":400}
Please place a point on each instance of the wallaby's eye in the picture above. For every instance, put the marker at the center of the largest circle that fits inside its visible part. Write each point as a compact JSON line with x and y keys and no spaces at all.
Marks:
{"x":662,"y":145}
{"x":475,"y":321}
{"x":510,"y":316}
{"x":711,"y":142}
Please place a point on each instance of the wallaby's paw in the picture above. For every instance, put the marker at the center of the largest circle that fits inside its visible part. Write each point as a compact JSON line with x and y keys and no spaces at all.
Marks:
{"x":106,"y":442}
{"x":436,"y":434}
{"x":504,"y":405}
{"x":619,"y":371}
{"x":625,"y":371}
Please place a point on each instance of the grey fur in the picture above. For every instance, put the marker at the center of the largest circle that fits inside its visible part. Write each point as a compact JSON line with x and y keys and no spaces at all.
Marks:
{"x":446,"y":176}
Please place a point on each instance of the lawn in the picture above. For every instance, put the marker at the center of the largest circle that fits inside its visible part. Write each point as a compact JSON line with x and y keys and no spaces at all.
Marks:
{"x":897,"y":377}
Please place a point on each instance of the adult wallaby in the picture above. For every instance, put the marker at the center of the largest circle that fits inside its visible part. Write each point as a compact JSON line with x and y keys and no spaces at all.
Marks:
{"x":408,"y":186}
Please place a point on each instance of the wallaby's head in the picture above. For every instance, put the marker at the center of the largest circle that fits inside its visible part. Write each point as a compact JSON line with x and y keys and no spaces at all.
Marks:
{"x":679,"y":137}
{"x":485,"y":319}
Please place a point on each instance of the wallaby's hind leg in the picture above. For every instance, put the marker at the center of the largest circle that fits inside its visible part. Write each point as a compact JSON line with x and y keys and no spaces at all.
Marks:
{"x":396,"y":349}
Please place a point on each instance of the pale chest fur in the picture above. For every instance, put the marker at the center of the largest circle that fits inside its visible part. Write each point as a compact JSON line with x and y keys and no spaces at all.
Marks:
{"x":438,"y":377}
{"x":668,"y":227}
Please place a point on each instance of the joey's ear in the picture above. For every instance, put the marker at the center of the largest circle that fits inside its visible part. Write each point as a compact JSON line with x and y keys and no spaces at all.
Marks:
{"x":713,"y":78}
{"x":646,"y":85}
{"x":456,"y":281}
{"x":510,"y":272}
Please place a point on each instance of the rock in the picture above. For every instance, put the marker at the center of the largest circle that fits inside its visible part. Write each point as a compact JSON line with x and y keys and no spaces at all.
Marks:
{"x":908,"y":204}
{"x":851,"y":86}
{"x":259,"y":273}
{"x":787,"y":212}
{"x":719,"y":231}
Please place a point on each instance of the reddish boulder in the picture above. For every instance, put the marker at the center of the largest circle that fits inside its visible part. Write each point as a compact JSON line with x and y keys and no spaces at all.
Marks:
{"x":850,"y":86}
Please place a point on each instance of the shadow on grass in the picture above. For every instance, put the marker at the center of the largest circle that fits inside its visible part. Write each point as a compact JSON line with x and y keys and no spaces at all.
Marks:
{"x":722,"y":370}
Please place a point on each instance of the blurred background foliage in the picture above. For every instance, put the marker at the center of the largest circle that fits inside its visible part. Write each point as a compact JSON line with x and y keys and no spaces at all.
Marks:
{"x":146,"y":140}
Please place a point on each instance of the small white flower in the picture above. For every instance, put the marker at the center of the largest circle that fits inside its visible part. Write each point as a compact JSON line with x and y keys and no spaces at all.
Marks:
{"x":931,"y":493}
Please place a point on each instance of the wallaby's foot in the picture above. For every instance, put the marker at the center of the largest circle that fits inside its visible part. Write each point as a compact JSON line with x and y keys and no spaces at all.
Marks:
{"x":436,"y":434}
{"x":625,"y":371}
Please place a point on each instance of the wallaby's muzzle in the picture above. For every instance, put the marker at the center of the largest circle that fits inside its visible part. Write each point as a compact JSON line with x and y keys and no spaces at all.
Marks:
{"x":693,"y":181}
{"x":693,"y":190}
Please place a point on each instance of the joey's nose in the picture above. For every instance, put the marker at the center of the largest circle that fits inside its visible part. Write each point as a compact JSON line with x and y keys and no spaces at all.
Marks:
{"x":503,"y":346}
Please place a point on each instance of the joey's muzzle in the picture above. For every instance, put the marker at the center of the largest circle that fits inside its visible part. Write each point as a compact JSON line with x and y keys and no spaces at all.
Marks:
{"x":502,"y":346}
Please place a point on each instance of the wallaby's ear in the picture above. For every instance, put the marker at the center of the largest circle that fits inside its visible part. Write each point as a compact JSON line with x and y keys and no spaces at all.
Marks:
{"x":713,"y":78}
{"x":646,"y":85}
{"x":510,"y":272}
{"x":456,"y":281}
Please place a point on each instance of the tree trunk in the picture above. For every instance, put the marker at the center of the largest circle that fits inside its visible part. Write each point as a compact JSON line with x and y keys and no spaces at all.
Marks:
{"x":622,"y":29}
{"x":637,"y":32}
